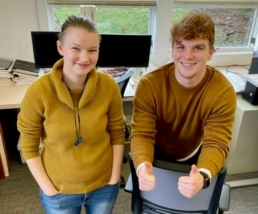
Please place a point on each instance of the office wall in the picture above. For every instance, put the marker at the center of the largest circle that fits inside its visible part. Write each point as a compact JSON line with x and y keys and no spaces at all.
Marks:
{"x":17,"y":19}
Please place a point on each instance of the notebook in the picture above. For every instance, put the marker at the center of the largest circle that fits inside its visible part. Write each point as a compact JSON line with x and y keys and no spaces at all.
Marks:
{"x":25,"y":67}
{"x":5,"y":63}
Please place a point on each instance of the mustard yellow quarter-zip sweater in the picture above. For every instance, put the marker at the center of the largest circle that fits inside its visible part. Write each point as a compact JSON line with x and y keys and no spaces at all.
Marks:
{"x":48,"y":112}
{"x":177,"y":119}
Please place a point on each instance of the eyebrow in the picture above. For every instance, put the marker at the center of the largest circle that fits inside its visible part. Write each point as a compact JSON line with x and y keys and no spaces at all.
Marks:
{"x":202,"y":45}
{"x":198,"y":45}
{"x":74,"y":44}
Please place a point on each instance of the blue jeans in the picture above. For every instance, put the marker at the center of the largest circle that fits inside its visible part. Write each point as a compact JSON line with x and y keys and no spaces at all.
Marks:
{"x":100,"y":201}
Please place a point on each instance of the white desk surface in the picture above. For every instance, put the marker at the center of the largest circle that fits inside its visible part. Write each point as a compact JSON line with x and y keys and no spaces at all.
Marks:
{"x":12,"y":95}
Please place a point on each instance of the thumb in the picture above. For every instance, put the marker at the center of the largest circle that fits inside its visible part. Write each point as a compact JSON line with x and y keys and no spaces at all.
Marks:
{"x":194,"y":170}
{"x":148,"y":167}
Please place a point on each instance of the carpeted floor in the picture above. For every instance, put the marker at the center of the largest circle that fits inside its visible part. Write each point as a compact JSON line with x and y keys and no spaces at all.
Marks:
{"x":19,"y":193}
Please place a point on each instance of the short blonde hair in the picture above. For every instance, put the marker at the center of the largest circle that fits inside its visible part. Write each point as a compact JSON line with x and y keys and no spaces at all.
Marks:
{"x":78,"y":21}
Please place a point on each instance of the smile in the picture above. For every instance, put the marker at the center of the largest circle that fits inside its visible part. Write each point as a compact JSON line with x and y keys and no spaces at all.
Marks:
{"x":188,"y":64}
{"x":82,"y":65}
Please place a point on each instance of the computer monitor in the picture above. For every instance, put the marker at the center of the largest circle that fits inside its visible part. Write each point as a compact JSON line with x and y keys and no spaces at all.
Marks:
{"x":116,"y":50}
{"x":44,"y":48}
{"x":119,"y":50}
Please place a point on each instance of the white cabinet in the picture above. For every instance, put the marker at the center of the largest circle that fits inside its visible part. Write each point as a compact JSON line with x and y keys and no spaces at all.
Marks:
{"x":243,"y":155}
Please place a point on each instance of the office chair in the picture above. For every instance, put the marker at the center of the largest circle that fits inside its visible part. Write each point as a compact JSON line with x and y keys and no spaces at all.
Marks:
{"x":122,"y":83}
{"x":166,"y":198}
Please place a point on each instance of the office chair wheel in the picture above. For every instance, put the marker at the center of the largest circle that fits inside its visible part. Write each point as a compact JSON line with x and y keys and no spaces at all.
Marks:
{"x":122,"y":181}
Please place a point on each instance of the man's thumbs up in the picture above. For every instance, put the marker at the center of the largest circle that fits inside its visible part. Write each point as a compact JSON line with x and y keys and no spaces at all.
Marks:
{"x":147,"y":179}
{"x":148,"y":167}
{"x":190,"y":185}
{"x":194,"y":171}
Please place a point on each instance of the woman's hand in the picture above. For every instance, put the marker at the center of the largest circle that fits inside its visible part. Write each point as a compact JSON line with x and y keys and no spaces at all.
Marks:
{"x":114,"y":180}
{"x":51,"y":192}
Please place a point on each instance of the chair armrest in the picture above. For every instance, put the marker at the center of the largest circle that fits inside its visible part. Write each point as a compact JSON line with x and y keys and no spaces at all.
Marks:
{"x":224,"y":201}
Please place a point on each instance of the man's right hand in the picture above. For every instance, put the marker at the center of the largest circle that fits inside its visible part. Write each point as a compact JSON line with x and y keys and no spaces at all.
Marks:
{"x":147,"y":179}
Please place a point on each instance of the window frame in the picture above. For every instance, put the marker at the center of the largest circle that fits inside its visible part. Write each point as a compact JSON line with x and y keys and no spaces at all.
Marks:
{"x":160,"y":24}
{"x":253,"y":33}
{"x":223,"y":57}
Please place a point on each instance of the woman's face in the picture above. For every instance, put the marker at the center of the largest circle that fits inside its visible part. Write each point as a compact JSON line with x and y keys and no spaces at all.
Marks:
{"x":80,"y":50}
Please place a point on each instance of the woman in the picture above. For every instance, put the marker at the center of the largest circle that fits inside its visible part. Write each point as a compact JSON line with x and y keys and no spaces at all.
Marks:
{"x":77,"y":113}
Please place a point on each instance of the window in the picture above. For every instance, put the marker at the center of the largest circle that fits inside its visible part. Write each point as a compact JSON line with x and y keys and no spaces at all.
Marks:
{"x":110,"y":20}
{"x":232,"y":49}
{"x":235,"y":20}
{"x":233,"y":26}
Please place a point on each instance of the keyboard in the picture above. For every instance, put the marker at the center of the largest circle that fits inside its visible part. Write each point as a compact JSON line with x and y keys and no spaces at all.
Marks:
{"x":237,"y":80}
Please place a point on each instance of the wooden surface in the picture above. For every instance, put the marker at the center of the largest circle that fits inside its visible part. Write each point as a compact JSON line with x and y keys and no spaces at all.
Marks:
{"x":12,"y":95}
{"x":2,"y":174}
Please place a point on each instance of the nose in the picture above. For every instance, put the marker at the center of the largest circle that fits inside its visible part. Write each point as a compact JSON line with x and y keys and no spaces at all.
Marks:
{"x":188,"y":54}
{"x":84,"y":56}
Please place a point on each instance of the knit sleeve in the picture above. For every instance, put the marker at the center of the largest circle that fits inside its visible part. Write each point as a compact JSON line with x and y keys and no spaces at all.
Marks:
{"x":218,"y":132}
{"x":116,"y":119}
{"x":30,"y":121}
{"x":143,"y":124}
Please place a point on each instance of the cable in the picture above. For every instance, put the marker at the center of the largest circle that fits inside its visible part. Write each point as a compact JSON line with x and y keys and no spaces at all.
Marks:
{"x":234,"y":71}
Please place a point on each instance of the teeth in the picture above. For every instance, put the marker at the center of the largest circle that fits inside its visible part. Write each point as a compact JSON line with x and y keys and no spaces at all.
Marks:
{"x":188,"y":64}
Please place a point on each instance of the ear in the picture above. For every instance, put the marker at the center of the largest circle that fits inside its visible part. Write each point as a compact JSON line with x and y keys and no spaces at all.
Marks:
{"x":212,"y":50}
{"x":59,"y":47}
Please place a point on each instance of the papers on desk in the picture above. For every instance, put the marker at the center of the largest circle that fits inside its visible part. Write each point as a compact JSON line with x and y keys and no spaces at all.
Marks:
{"x":5,"y":71}
{"x":18,"y":72}
{"x":237,"y":80}
{"x":5,"y":63}
{"x":23,"y":78}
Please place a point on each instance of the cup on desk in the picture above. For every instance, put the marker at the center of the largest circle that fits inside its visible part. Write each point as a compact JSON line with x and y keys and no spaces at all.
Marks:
{"x":138,"y":74}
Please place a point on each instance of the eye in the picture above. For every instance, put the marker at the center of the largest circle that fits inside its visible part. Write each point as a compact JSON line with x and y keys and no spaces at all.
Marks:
{"x":75,"y":48}
{"x":199,"y":48}
{"x":94,"y":51}
{"x":180,"y":47}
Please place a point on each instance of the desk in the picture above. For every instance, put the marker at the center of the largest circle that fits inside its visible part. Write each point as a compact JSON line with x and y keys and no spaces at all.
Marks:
{"x":12,"y":95}
{"x":130,"y":91}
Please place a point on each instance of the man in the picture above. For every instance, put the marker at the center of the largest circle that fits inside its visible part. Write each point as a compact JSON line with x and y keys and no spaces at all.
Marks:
{"x":184,"y":111}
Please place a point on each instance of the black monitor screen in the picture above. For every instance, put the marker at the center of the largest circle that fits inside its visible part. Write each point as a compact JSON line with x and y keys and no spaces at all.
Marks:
{"x":116,"y":50}
{"x":45,"y":49}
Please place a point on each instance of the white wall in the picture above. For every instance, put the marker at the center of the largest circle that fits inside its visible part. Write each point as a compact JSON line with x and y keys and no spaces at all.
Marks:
{"x":17,"y":19}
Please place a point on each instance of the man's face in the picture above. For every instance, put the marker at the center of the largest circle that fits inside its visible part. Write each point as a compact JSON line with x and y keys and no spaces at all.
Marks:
{"x":190,"y":58}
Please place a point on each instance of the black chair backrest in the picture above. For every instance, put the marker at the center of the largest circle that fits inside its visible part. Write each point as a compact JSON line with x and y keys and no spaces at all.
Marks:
{"x":123,"y":81}
{"x":166,"y":198}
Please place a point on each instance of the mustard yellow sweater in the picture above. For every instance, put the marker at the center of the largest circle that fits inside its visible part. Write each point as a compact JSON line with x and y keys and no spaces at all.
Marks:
{"x":47,"y":112}
{"x":176,"y":119}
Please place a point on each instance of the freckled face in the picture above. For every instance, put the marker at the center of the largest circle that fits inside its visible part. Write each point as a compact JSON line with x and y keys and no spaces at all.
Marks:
{"x":190,"y":58}
{"x":80,"y":50}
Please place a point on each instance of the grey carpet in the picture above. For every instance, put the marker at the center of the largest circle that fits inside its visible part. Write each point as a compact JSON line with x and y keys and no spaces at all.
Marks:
{"x":19,"y":193}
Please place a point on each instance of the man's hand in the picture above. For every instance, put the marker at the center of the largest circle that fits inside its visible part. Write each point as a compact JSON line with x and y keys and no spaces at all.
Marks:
{"x":190,"y":185}
{"x":147,"y":180}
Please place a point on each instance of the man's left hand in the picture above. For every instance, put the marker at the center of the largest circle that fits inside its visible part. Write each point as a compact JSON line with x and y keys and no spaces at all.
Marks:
{"x":190,"y":185}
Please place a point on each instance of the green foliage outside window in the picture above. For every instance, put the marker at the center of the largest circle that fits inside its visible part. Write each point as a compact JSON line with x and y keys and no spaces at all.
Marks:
{"x":111,"y":20}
